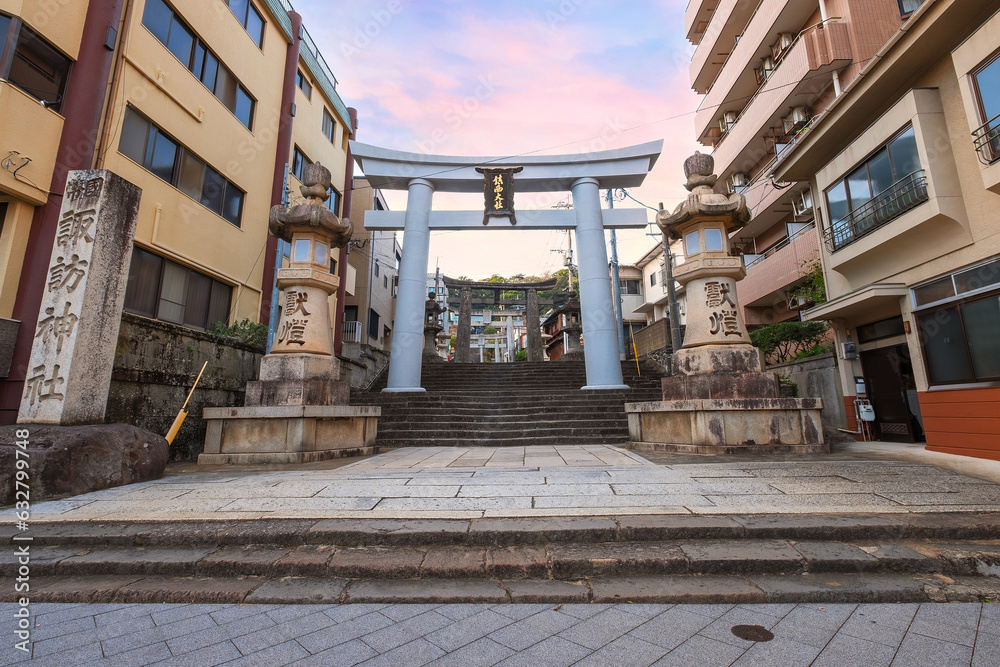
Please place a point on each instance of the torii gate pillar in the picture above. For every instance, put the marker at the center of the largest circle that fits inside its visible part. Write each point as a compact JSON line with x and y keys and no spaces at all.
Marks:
{"x":600,"y":331}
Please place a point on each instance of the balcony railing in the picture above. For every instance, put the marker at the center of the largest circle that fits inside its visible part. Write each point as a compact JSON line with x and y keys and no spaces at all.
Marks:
{"x":757,"y":259}
{"x":894,"y":201}
{"x":352,"y":332}
{"x":987,"y":141}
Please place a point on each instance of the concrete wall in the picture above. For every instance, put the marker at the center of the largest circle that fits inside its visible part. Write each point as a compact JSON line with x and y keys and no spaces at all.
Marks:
{"x":156,"y":364}
{"x":817,"y":377}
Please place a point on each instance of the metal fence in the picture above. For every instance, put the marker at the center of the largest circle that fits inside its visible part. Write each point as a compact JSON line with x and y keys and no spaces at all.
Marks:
{"x":893,"y":202}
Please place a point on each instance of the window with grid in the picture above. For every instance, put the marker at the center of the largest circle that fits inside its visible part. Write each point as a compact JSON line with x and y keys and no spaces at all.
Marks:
{"x":165,"y":290}
{"x":150,"y":146}
{"x":31,"y":63}
{"x":165,"y":24}
{"x":251,"y":19}
{"x":303,"y":83}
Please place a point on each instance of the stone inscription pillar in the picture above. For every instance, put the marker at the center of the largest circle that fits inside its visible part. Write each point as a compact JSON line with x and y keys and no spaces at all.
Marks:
{"x":69,"y":372}
{"x":534,"y":327}
{"x":408,"y":337}
{"x":464,"y":334}
{"x":600,"y":331}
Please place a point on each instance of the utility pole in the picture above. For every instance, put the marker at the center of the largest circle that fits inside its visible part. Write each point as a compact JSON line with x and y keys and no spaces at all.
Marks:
{"x":675,"y":320}
{"x":616,"y":284}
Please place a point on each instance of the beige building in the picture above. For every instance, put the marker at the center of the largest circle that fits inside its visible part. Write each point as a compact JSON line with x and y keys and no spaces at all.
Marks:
{"x":373,"y":267}
{"x":200,"y":104}
{"x":905,"y":165}
{"x":767,"y":69}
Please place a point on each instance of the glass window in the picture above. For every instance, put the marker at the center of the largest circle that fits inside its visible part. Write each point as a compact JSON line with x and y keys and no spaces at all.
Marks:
{"x":333,"y":199}
{"x":36,"y":67}
{"x":836,"y":198}
{"x":944,"y":346}
{"x":218,"y":307}
{"x":210,"y":73}
{"x":156,"y":17}
{"x":935,"y":291}
{"x":907,"y":7}
{"x":905,"y":158}
{"x":880,"y":172}
{"x":299,"y":161}
{"x":135,"y":129}
{"x":978,"y":277}
{"x":328,"y":125}
{"x":168,"y":291}
{"x":173,"y":293}
{"x":373,"y":324}
{"x":199,"y":293}
{"x":713,"y":239}
{"x":180,"y":41}
{"x":255,"y":25}
{"x":192,"y":176}
{"x":987,"y":85}
{"x":652,"y":279}
{"x":300,"y":251}
{"x":143,"y":283}
{"x":859,"y":188}
{"x":304,"y":85}
{"x":322,"y":255}
{"x":232,"y":204}
{"x":981,"y":319}
{"x":244,"y":107}
{"x":213,"y":189}
{"x":161,"y":156}
{"x":691,"y":244}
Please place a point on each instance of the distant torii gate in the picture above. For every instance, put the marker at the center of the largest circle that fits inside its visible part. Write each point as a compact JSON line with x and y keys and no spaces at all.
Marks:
{"x":584,"y":175}
{"x":530,"y":302}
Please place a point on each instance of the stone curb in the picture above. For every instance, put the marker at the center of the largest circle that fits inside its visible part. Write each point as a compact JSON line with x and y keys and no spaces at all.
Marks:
{"x":510,"y":531}
{"x":671,"y":589}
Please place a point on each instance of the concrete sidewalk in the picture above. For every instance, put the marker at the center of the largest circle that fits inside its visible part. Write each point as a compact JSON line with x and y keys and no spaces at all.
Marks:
{"x":790,"y":635}
{"x":472,"y":483}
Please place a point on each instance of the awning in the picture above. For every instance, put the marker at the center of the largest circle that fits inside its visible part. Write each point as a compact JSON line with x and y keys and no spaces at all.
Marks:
{"x":869,"y":303}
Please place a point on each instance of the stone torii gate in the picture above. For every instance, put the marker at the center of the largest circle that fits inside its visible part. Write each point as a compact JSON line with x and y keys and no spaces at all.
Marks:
{"x":531,"y":318}
{"x":584,"y":175}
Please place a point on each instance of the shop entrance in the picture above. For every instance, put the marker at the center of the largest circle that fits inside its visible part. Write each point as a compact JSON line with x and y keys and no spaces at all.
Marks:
{"x":892,"y":390}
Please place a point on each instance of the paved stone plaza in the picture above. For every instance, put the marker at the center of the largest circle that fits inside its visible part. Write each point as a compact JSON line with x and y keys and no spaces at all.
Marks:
{"x":834,"y":635}
{"x":470,"y":483}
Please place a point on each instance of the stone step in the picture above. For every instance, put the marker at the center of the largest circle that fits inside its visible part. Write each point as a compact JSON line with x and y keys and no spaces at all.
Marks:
{"x":664,"y":589}
{"x":503,"y":532}
{"x":616,"y":439}
{"x":563,"y":562}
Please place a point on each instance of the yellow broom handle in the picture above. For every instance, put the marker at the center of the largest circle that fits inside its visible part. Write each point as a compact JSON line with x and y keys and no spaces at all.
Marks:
{"x":194,"y":385}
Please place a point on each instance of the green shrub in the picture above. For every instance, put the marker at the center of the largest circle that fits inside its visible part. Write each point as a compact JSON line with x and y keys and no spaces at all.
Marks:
{"x":785,"y":341}
{"x":246,"y":331}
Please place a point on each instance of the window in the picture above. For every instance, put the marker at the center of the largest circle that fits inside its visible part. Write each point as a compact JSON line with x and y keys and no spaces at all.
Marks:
{"x":333,"y":200}
{"x":165,"y":290}
{"x":299,"y":161}
{"x":691,"y":244}
{"x":167,"y":26}
{"x":652,"y":279}
{"x":385,"y":282}
{"x":629,"y":286}
{"x":147,"y":144}
{"x":303,"y":83}
{"x":907,"y":7}
{"x":883,"y":187}
{"x":376,"y":268}
{"x":713,"y":239}
{"x":34,"y":65}
{"x":373,"y":324}
{"x":251,"y":19}
{"x":329,"y":125}
{"x":986,"y":87}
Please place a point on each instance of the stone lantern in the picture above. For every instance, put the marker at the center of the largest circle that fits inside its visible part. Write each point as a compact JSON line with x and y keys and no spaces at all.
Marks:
{"x":298,"y":410}
{"x":431,"y":325}
{"x":717,"y":397}
{"x":709,"y":273}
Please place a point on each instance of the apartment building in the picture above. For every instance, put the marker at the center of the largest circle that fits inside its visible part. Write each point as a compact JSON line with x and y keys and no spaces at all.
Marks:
{"x":654,"y":306}
{"x":200,"y":104}
{"x":905,"y":169}
{"x":767,"y":69}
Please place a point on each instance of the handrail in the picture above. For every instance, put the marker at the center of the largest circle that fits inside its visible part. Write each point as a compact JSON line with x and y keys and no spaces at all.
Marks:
{"x":777,"y":63}
{"x":903,"y":195}
{"x":987,"y":141}
{"x":784,"y":243}
{"x":310,"y":45}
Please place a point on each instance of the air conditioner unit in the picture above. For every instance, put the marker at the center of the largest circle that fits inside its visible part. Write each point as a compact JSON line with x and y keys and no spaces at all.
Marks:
{"x":795,"y":120}
{"x":766,"y":68}
{"x":738,"y":182}
{"x":785,"y":40}
{"x":728,"y":120}
{"x":802,"y":202}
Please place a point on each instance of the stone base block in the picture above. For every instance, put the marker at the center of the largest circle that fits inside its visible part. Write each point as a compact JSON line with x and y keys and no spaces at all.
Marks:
{"x":720,"y":426}
{"x":721,"y":385}
{"x":297,"y":392}
{"x":716,"y":359}
{"x":299,"y":367}
{"x":288,"y":434}
{"x":70,"y":460}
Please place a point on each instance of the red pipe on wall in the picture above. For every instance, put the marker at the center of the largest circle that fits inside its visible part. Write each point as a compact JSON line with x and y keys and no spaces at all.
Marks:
{"x":338,"y":329}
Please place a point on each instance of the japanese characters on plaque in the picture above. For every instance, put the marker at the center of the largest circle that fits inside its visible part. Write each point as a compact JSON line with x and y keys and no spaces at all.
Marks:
{"x":498,"y":190}
{"x":723,"y":311}
{"x":293,"y":329}
{"x":62,"y":302}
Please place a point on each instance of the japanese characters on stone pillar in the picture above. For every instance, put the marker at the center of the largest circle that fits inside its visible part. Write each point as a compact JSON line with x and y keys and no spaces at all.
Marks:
{"x":708,"y":273}
{"x":69,"y":372}
{"x":311,"y":229}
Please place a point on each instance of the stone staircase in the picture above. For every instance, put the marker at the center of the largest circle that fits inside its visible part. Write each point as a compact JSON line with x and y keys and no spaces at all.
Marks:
{"x":502,"y":405}
{"x":662,"y":559}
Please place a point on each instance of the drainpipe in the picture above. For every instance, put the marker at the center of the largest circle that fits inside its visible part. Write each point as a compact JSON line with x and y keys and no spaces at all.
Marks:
{"x":283,"y":151}
{"x":822,"y":11}
{"x":338,"y":327}
{"x":84,"y":111}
